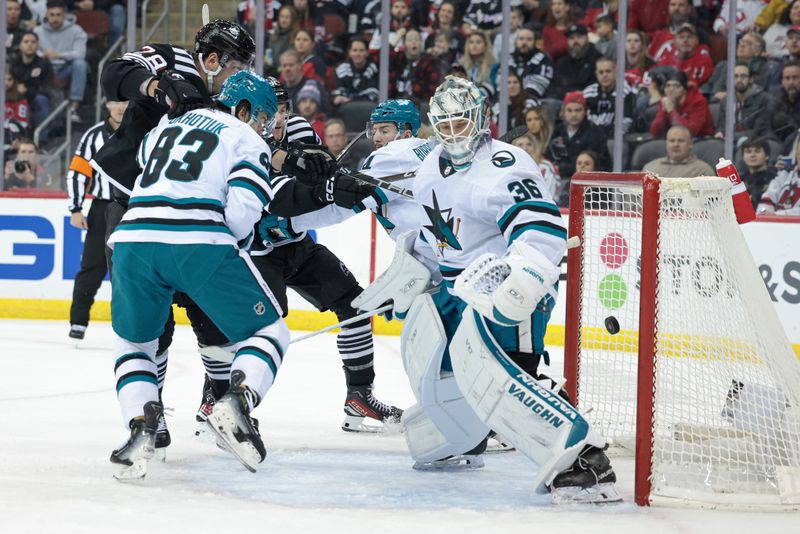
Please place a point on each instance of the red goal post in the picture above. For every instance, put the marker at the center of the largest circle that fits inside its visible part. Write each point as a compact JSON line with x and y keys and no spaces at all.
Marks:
{"x":673,"y":346}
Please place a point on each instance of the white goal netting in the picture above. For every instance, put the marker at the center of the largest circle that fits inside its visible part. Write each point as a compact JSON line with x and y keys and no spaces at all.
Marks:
{"x":726,"y":427}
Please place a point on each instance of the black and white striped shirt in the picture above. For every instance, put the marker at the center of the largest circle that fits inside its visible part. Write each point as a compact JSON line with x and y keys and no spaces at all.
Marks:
{"x":82,"y":179}
{"x":273,"y":231}
{"x":296,"y":130}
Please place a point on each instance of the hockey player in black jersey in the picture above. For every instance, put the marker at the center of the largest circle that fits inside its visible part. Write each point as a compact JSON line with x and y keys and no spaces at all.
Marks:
{"x":285,"y":258}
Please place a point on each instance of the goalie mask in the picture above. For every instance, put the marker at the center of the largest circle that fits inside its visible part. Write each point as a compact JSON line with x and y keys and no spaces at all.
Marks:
{"x":457,"y":116}
{"x":250,"y":87}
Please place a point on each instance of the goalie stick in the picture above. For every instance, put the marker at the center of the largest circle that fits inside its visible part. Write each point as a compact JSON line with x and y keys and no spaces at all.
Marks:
{"x":222,"y":354}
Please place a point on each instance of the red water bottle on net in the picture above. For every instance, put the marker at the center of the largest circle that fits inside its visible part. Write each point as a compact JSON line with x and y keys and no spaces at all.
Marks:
{"x":742,"y":205}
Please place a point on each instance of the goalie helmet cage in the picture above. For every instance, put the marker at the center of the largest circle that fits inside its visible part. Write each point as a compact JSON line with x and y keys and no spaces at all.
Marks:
{"x":710,"y":405}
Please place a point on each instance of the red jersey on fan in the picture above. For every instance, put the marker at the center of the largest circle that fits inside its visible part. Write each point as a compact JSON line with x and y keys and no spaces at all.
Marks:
{"x":637,"y":77}
{"x":693,"y":113}
{"x":648,"y":15}
{"x":18,"y":111}
{"x":661,"y":43}
{"x":698,"y":66}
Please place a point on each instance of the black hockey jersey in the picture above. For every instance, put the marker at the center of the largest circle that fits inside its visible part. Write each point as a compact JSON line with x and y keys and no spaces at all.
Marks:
{"x":122,"y":80}
{"x":534,"y":69}
{"x":273,"y":231}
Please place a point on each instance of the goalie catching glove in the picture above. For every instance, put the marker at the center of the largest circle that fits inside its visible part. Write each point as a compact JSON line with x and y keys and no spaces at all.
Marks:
{"x":401,"y":283}
{"x":507,"y":290}
{"x":178,"y":94}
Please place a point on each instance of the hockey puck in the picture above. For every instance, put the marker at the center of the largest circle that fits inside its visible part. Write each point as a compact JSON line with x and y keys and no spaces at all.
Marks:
{"x":612,"y":325}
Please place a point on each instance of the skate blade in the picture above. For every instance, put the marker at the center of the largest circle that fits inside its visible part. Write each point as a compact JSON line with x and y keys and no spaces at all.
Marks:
{"x":203,"y":433}
{"x":599,"y":494}
{"x":131,"y":473}
{"x":222,"y":423}
{"x":456,"y":463}
{"x":497,"y":446}
{"x":161,"y":454}
{"x":354,"y":423}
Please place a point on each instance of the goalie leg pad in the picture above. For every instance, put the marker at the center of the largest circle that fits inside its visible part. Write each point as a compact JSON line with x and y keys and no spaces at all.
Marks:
{"x":405,"y":278}
{"x":442,"y":424}
{"x":533,"y":418}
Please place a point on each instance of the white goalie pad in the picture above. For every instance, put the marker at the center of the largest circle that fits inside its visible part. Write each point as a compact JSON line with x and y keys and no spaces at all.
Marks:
{"x":405,"y":278}
{"x":532,"y":417}
{"x":442,"y":423}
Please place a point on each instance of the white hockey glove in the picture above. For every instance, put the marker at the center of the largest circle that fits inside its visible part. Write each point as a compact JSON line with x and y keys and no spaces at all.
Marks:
{"x":507,"y":290}
{"x":405,"y":278}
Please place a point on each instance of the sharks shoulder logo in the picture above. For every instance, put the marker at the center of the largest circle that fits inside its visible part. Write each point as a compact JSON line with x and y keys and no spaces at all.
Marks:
{"x":444,"y":226}
{"x":503,"y":159}
{"x":446,"y":167}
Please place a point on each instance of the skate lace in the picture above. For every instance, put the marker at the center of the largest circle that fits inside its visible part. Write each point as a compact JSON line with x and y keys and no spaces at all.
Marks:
{"x":380,"y":406}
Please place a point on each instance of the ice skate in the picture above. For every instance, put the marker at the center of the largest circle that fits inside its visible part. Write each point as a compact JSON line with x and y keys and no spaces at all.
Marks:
{"x":202,"y":432}
{"x":472,"y":459}
{"x":163,"y":439}
{"x":234,"y":428}
{"x":77,"y":332}
{"x":590,"y":479}
{"x":361,"y":404}
{"x":132,"y":457}
{"x":498,"y":444}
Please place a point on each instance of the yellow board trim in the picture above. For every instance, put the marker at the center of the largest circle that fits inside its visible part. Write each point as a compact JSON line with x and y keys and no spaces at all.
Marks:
{"x":313,"y":320}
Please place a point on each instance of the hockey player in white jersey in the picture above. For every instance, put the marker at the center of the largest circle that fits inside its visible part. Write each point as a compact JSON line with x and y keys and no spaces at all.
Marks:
{"x":472,"y":351}
{"x":203,"y":186}
{"x":392,"y":128}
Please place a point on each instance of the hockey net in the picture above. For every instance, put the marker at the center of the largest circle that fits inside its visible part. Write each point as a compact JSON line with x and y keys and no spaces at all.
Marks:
{"x":699,"y":379}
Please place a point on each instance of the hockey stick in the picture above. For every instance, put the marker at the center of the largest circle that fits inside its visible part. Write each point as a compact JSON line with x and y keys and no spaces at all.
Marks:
{"x":222,"y":354}
{"x":206,"y":17}
{"x":350,"y":145}
{"x":383,"y":183}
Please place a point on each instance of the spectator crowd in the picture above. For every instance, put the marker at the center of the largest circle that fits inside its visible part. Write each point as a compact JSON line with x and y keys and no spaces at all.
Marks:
{"x":561,"y":83}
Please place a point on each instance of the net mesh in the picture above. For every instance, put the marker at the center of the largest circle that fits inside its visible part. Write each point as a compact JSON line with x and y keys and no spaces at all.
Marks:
{"x":727,"y":383}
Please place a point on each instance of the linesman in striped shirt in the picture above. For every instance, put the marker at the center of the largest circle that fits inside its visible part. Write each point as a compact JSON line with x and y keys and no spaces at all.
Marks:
{"x":83,"y":180}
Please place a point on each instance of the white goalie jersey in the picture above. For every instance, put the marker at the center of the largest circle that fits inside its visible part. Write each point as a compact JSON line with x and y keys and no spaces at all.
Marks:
{"x":204,"y":180}
{"x":499,"y":199}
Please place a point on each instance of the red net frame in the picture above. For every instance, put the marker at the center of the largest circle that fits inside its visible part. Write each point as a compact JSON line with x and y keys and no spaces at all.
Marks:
{"x":647,"y":310}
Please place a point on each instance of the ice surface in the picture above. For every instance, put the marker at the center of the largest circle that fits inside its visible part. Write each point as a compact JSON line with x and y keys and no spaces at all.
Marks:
{"x":60,"y":421}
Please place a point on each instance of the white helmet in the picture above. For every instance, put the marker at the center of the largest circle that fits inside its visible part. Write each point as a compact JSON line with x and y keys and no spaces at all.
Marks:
{"x":457,"y":116}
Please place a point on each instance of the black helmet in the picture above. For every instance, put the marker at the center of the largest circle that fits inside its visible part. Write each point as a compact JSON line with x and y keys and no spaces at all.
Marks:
{"x":228,"y":39}
{"x":280,"y":91}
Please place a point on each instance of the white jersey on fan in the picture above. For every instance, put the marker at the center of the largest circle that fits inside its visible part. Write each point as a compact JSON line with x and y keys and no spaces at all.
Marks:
{"x":204,"y":180}
{"x":500,"y":198}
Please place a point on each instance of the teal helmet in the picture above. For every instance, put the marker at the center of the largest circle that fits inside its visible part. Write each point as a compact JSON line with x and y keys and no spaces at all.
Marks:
{"x":399,"y":112}
{"x":244,"y":85}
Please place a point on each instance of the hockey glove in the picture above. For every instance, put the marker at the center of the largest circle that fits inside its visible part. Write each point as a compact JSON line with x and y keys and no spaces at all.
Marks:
{"x":178,"y":94}
{"x":342,"y":190}
{"x":310,"y":164}
{"x":347,"y":191}
{"x":402,"y":282}
{"x":273,"y":229}
{"x":507,"y":290}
